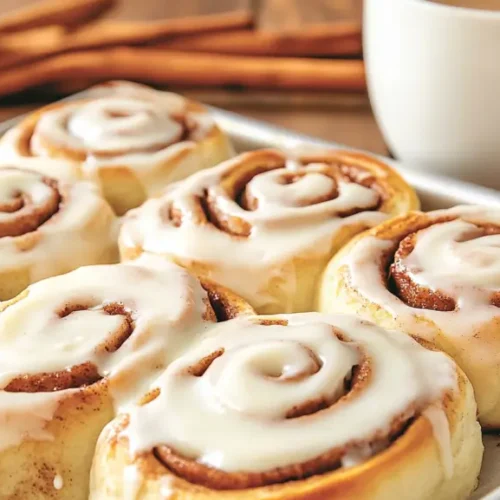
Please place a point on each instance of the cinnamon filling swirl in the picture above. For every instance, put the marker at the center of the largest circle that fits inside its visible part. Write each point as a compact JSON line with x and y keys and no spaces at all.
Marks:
{"x":77,"y":342}
{"x":198,"y":473}
{"x":222,"y":304}
{"x":27,"y":200}
{"x":462,"y":250}
{"x":84,"y":374}
{"x":122,"y":119}
{"x":277,"y":400}
{"x":240,"y":198}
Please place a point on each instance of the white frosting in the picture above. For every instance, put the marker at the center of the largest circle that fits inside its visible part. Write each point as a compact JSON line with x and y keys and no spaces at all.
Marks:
{"x":121,"y":124}
{"x":442,"y":260}
{"x":441,"y":428}
{"x":25,"y":416}
{"x":273,"y":194}
{"x":467,"y":271}
{"x":166,"y":488}
{"x":15,"y":183}
{"x":69,"y":238}
{"x":131,"y":482}
{"x":58,"y":482}
{"x":165,"y":303}
{"x":267,"y":370}
{"x":283,"y":226}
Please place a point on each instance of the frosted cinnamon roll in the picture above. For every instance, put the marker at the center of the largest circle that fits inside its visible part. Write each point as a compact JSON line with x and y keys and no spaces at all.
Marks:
{"x":295,"y":407}
{"x":435,"y":276}
{"x":49,"y":226}
{"x":264,"y":224}
{"x":76,"y":348}
{"x":129,"y":138}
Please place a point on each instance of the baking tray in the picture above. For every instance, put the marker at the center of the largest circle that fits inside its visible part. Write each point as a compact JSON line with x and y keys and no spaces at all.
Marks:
{"x":435,"y":192}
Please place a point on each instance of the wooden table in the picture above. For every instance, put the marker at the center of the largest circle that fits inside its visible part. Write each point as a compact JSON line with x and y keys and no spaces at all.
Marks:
{"x":343,"y":118}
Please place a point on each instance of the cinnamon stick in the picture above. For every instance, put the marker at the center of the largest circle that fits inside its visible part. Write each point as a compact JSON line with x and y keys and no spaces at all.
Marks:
{"x":32,"y":41}
{"x":68,"y":13}
{"x":188,"y":69}
{"x":37,"y":44}
{"x":137,"y":32}
{"x":335,"y":39}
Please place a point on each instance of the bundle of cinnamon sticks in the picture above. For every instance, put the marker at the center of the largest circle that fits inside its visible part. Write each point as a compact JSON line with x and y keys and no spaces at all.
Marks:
{"x":68,"y":45}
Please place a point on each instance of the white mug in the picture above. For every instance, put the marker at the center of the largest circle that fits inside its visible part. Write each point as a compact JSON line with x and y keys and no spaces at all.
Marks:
{"x":433,"y":76}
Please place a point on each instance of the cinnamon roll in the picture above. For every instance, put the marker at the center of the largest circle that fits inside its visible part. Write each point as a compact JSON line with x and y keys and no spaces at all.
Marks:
{"x":129,"y":138}
{"x":297,"y":407}
{"x":49,"y":226}
{"x":76,"y":348}
{"x":264,"y":224}
{"x":435,"y":276}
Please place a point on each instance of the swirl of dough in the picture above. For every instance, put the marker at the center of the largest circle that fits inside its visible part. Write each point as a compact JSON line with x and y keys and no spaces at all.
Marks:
{"x":440,"y":265}
{"x":109,"y":126}
{"x":76,"y":348}
{"x":65,"y":336}
{"x":301,"y":386}
{"x":27,"y":200}
{"x":435,"y":275}
{"x":265,"y":191}
{"x":130,"y":139}
{"x":239,"y":223}
{"x":49,"y":226}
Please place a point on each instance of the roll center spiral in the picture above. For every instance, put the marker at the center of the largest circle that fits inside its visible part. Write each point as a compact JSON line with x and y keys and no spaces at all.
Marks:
{"x":27,"y":200}
{"x":266,"y":193}
{"x":437,"y":265}
{"x":80,"y":333}
{"x":312,"y":386}
{"x":104,"y":126}
{"x":280,"y":188}
{"x":104,"y":327}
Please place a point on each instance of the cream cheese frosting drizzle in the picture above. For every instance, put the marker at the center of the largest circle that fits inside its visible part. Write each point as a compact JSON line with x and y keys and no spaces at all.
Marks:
{"x":124,"y":124}
{"x":109,"y":125}
{"x":271,"y":213}
{"x":127,"y":320}
{"x":52,"y":222}
{"x":450,"y":256}
{"x":20,"y":189}
{"x":261,"y":370}
{"x":444,"y":257}
{"x":456,"y":257}
{"x":118,"y":124}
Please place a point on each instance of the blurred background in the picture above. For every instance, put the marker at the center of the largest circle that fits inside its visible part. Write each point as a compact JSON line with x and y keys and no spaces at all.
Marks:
{"x":294,"y":63}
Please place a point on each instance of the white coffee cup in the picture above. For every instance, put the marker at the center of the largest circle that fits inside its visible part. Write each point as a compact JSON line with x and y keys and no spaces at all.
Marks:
{"x":434,"y":82}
